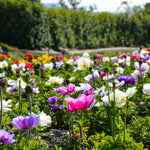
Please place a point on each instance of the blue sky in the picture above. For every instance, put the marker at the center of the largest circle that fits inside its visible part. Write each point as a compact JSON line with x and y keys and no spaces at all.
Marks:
{"x":104,"y":5}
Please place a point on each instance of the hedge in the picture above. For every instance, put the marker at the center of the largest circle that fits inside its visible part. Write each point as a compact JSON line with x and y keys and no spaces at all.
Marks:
{"x":24,"y":24}
{"x":30,"y":25}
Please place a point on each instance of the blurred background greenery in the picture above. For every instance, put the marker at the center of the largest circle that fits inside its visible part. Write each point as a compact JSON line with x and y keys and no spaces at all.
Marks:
{"x":28,"y":24}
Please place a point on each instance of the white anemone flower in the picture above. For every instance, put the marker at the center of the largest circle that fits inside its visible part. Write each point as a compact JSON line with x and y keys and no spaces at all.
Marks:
{"x":112,"y":76}
{"x":131,"y":91}
{"x":119,"y":70}
{"x":128,"y":61}
{"x":49,"y":66}
{"x":118,"y":84}
{"x":144,"y":52}
{"x":83,"y":87}
{"x":86,"y":55}
{"x":72,"y":79}
{"x":148,"y":61}
{"x":14,"y":67}
{"x":19,"y":67}
{"x":16,"y":82}
{"x":36,"y":90}
{"x":45,"y":120}
{"x":100,"y":91}
{"x":6,"y":105}
{"x":3,"y":64}
{"x":71,"y":62}
{"x":83,"y":63}
{"x":121,"y":61}
{"x":54,"y":80}
{"x":114,"y":59}
{"x":92,"y":77}
{"x":120,"y":98}
{"x":146,"y":89}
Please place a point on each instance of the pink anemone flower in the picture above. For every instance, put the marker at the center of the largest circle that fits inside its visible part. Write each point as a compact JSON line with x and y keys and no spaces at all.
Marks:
{"x":82,"y":102}
{"x":69,"y":90}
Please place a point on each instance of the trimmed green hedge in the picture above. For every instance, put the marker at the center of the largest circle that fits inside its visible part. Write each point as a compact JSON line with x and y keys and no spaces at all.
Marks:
{"x":24,"y":24}
{"x":30,"y":25}
{"x":7,"y":47}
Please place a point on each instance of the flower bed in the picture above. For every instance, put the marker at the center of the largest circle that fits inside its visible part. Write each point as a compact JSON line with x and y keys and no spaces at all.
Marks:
{"x":92,"y":101}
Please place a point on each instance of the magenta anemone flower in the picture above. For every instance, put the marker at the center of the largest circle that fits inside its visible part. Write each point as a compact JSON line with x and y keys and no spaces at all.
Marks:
{"x":102,"y":74}
{"x":28,"y":122}
{"x":82,"y":102}
{"x":67,"y":90}
{"x":6,"y":137}
{"x":75,"y":137}
{"x":98,"y":56}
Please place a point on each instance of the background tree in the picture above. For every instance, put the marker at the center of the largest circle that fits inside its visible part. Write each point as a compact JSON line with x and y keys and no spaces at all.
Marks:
{"x":34,"y":0}
{"x":63,"y":4}
{"x":147,"y":8}
{"x":92,"y":8}
{"x":74,"y":3}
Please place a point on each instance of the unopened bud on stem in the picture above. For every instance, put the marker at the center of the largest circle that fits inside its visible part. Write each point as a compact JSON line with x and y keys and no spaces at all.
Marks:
{"x":3,"y":82}
{"x":28,"y":90}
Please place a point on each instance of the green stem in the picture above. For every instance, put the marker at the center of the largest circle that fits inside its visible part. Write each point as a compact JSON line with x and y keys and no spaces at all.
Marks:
{"x":27,"y":138}
{"x":37,"y":134}
{"x":81,"y":132}
{"x":111,"y":116}
{"x":20,"y":136}
{"x":112,"y":131}
{"x":108,"y":87}
{"x":69,"y":115}
{"x":69,"y":118}
{"x":125,"y":116}
{"x":100,"y":81}
{"x":114,"y":109}
{"x":20,"y":132}
{"x":20,"y":104}
{"x":30,"y":104}
{"x":125,"y":127}
{"x":39,"y":72}
{"x":1,"y":106}
{"x":141,"y":77}
{"x":94,"y":82}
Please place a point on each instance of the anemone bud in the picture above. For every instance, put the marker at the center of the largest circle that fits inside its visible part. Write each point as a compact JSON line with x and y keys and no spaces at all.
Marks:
{"x":28,"y":90}
{"x":3,"y":82}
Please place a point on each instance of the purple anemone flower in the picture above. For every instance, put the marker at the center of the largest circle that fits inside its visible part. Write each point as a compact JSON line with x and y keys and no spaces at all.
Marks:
{"x":144,"y":67}
{"x":126,"y":79}
{"x":2,"y":75}
{"x":146,"y":57}
{"x":54,"y":109}
{"x":59,"y":64}
{"x":6,"y":137}
{"x":53,"y":99}
{"x":56,"y":90}
{"x":97,"y":67}
{"x":28,"y":122}
{"x":13,"y":89}
{"x":63,"y":71}
{"x":141,"y":103}
{"x":62,"y":106}
{"x":57,"y":106}
{"x":32,"y":80}
{"x":76,"y":137}
{"x":43,"y":68}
